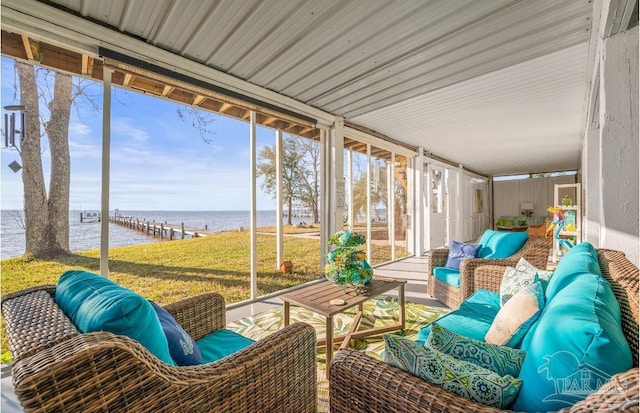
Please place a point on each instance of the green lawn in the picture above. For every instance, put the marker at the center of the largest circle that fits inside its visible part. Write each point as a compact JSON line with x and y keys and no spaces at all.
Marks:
{"x":170,"y":271}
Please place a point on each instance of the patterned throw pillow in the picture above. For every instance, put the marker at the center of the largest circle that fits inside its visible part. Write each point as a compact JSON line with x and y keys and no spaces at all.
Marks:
{"x":459,"y":251}
{"x":522,"y":276}
{"x":516,"y":317}
{"x":500,"y":359}
{"x":460,"y":377}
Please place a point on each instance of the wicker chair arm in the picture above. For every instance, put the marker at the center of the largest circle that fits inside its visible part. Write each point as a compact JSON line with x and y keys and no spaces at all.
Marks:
{"x":199,"y":315}
{"x":438,"y":257}
{"x":102,"y":372}
{"x":477,"y":273}
{"x":359,"y":383}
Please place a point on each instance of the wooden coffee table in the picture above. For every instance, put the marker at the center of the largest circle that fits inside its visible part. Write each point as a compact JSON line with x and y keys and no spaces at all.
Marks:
{"x":318,"y":297}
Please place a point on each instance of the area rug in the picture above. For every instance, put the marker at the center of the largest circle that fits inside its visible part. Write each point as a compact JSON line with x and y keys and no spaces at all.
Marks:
{"x":377,"y":313}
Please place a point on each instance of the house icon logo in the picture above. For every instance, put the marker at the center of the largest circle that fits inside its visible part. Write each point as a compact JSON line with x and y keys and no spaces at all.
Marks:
{"x":570,"y":389}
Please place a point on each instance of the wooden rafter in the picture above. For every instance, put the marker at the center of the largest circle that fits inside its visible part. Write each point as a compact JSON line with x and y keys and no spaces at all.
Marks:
{"x":87,"y":65}
{"x":167,"y":90}
{"x":31,"y":48}
{"x":127,"y":79}
{"x":225,"y":107}
{"x":198,"y":99}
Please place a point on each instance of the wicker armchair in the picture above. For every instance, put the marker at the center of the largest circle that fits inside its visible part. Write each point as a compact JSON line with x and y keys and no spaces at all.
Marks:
{"x":57,"y":369}
{"x":359,"y":383}
{"x":535,"y":250}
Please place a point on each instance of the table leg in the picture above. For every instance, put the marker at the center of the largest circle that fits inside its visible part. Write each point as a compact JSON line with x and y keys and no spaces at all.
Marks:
{"x":329,"y":335}
{"x":401,"y":309}
{"x":286,"y":313}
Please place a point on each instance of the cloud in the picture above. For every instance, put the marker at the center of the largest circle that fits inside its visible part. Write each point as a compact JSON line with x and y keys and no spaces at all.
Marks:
{"x":124,"y":126}
{"x":79,"y":129}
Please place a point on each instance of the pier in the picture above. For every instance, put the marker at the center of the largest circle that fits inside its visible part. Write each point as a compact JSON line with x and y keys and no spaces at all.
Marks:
{"x":162,"y":230}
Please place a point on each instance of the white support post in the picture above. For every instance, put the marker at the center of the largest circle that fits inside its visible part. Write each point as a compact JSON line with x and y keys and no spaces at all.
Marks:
{"x":350,"y":211}
{"x":253,"y":207}
{"x":391,"y":204}
{"x":279,"y":209}
{"x":337,"y":177}
{"x":369,"y":201}
{"x":324,"y":196}
{"x":418,"y":212}
{"x":106,"y":162}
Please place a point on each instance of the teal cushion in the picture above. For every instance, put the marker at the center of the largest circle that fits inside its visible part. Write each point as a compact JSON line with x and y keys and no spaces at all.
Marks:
{"x":95,"y":303}
{"x":457,"y":376}
{"x":221,"y":343}
{"x":576,"y":345}
{"x":472,"y":319}
{"x":499,"y":359}
{"x":582,"y":258}
{"x":449,"y":276}
{"x":516,"y":317}
{"x":496,"y":244}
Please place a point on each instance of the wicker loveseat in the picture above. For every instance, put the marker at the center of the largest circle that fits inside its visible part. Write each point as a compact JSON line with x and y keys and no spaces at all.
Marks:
{"x":535,"y":251}
{"x":384,"y":388}
{"x":58,"y":369}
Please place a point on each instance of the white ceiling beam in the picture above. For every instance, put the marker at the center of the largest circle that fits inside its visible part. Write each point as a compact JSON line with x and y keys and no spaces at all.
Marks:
{"x":44,"y":22}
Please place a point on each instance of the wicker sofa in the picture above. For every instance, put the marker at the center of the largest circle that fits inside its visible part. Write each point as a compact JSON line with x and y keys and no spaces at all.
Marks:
{"x":58,"y":369}
{"x":384,"y":388}
{"x":535,"y":250}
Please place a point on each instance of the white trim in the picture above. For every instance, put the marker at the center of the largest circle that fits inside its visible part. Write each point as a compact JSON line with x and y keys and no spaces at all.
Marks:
{"x":106,"y":163}
{"x":253,"y":214}
{"x":377,"y":142}
{"x":391,"y":204}
{"x":369,"y":201}
{"x":279,"y":209}
{"x":60,"y":28}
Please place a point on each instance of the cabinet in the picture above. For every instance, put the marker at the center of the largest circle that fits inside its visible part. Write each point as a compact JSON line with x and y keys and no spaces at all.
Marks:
{"x":572,"y":230}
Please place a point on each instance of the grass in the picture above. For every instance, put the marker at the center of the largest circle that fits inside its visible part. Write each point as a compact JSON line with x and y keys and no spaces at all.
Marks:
{"x":173,"y":270}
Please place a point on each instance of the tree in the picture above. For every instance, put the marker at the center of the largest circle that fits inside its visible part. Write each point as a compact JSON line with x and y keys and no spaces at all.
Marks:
{"x":300,"y":173}
{"x":267,"y":169}
{"x":308,"y":174}
{"x":46,"y":215}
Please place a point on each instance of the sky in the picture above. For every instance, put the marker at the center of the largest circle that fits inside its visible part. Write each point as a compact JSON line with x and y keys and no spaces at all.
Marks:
{"x":158,"y":160}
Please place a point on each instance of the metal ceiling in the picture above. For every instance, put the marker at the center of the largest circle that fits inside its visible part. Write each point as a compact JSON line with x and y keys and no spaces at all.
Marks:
{"x":497,"y":85}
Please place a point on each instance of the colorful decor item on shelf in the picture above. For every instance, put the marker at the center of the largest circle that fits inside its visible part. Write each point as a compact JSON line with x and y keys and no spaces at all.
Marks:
{"x":346,"y":264}
{"x":560,"y":224}
{"x":566,"y":201}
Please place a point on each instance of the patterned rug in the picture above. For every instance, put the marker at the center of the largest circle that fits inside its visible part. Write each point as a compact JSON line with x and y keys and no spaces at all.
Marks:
{"x":377,"y":313}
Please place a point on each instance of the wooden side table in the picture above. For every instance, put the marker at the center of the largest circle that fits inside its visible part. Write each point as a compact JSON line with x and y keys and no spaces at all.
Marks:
{"x":318,"y":297}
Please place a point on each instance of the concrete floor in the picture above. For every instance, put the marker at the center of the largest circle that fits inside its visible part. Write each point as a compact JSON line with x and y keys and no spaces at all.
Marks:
{"x":412,"y":269}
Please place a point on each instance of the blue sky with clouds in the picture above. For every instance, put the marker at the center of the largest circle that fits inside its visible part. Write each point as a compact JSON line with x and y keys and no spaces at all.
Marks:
{"x":158,"y":160}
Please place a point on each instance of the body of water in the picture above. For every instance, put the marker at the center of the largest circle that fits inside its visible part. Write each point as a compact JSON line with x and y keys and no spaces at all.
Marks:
{"x":86,"y":235}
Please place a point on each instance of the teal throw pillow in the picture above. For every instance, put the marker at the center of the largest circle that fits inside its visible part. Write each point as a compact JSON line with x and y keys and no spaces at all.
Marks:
{"x":459,"y":251}
{"x":500,"y":359}
{"x":516,"y":317}
{"x":522,"y":276}
{"x":496,"y":244}
{"x":95,"y":303}
{"x":460,"y":377}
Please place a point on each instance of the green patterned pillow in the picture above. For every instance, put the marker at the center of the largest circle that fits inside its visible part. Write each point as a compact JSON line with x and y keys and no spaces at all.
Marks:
{"x":517,"y":279}
{"x":460,"y":377}
{"x":500,"y":359}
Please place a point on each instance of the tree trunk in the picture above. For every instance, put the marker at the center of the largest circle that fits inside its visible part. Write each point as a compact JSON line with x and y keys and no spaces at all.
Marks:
{"x":58,"y":132}
{"x":46,"y":218}
{"x":35,"y":194}
{"x":290,"y":210}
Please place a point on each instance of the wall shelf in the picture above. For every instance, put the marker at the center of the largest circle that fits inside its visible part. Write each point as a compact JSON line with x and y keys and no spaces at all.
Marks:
{"x":573,"y":192}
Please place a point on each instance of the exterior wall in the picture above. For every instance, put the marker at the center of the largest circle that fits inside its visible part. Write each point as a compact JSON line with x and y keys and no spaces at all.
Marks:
{"x":619,"y":144}
{"x":591,"y":187}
